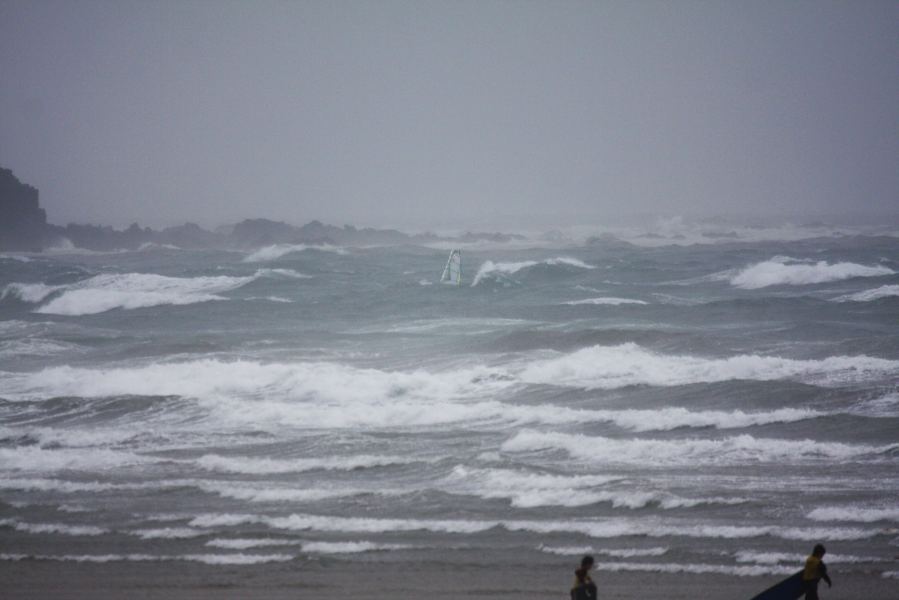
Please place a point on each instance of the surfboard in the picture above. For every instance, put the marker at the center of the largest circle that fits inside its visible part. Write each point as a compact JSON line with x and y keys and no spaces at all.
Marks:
{"x":788,"y":589}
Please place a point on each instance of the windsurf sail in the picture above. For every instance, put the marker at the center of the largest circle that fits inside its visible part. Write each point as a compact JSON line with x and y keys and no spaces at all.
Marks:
{"x":452,"y":272}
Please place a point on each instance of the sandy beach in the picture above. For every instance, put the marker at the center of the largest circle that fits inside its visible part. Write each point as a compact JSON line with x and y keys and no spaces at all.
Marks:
{"x":337,"y":578}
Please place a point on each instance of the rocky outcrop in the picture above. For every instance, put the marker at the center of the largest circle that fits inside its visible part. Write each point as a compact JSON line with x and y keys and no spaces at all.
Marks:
{"x":24,"y":227}
{"x":22,"y":221}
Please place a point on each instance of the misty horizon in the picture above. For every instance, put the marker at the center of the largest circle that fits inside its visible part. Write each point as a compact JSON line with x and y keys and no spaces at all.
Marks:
{"x":430,"y":115}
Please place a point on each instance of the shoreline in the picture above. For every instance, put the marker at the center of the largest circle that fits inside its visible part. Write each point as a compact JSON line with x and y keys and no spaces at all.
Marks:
{"x":327,"y":578}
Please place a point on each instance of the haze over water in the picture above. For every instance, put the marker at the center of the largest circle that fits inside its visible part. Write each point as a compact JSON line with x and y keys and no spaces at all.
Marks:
{"x":696,"y":401}
{"x":699,"y":408}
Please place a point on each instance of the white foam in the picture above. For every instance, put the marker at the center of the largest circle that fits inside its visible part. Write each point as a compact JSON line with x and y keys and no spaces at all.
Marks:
{"x":648,"y":452}
{"x":676,"y":231}
{"x":862,"y":514}
{"x":349,"y":547}
{"x":329,"y":395}
{"x":653,"y":527}
{"x":288,"y":273}
{"x":236,"y":464}
{"x":491,"y":269}
{"x":32,"y":346}
{"x":90,"y":558}
{"x":528,"y":490}
{"x":773,"y":558}
{"x":697,"y":569}
{"x":300,"y":522}
{"x":664,"y":419}
{"x":314,"y":394}
{"x":57,"y":528}
{"x":255,"y":493}
{"x":276,"y":251}
{"x":884,"y":291}
{"x":768,"y":558}
{"x":247,"y":543}
{"x":149,"y":246}
{"x":525,"y":490}
{"x":74,"y":487}
{"x":601,"y":528}
{"x":209,"y":559}
{"x":608,"y":367}
{"x":890,"y":574}
{"x":235,"y":559}
{"x":609,"y":300}
{"x":137,"y":290}
{"x":55,"y":485}
{"x":614,"y":552}
{"x":884,"y":406}
{"x":29,"y":292}
{"x":782,"y":270}
{"x":167,"y":533}
{"x":455,"y":325}
{"x":36,"y":459}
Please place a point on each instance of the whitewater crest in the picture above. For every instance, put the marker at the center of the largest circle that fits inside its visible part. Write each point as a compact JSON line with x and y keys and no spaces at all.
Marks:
{"x":884,"y":291}
{"x":493,"y":270}
{"x":782,"y":270}
{"x":529,"y":490}
{"x":609,"y":367}
{"x":323,"y":394}
{"x":608,"y":300}
{"x":109,"y":291}
{"x":730,"y":450}
{"x":276,"y":251}
{"x":597,"y":528}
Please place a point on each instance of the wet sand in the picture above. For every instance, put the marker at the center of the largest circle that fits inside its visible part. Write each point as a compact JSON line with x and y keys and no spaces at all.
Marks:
{"x":329,"y":578}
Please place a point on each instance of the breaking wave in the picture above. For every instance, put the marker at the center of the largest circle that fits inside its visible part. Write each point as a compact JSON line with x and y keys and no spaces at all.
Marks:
{"x":54,"y":528}
{"x":609,"y":367}
{"x":605,"y":300}
{"x":649,"y":452}
{"x":884,"y":291}
{"x":109,"y":291}
{"x":600,"y":528}
{"x":490,"y":269}
{"x":782,"y":270}
{"x":613,"y":552}
{"x":528,"y":490}
{"x":276,"y":251}
{"x":247,"y":543}
{"x":168,"y":533}
{"x":349,"y":547}
{"x":773,"y":558}
{"x":860,"y":514}
{"x":321,"y":395}
{"x":29,"y":292}
{"x":697,"y":569}
{"x":35,"y":458}
{"x":209,"y":559}
{"x":237,"y":464}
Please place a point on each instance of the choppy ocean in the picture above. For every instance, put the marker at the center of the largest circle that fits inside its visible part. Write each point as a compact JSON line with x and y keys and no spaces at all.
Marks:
{"x":675,"y":407}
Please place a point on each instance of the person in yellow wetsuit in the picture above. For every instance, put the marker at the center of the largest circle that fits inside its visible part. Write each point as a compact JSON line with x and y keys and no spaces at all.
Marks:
{"x":583,"y":587}
{"x":815,"y":570}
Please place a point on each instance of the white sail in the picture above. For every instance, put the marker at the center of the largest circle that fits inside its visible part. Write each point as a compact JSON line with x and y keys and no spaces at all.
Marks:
{"x":452,"y":272}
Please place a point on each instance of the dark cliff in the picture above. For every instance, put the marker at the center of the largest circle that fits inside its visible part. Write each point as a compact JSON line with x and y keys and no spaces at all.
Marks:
{"x":22,"y":221}
{"x":24,"y":227}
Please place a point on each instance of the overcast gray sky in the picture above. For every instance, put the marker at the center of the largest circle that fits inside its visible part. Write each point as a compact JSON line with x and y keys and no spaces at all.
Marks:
{"x":422,"y":113}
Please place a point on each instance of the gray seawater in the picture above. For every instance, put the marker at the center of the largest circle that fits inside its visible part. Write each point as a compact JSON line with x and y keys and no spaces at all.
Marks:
{"x":713,"y":408}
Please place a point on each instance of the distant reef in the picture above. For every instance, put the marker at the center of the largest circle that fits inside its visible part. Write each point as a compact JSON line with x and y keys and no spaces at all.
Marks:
{"x":24,"y":227}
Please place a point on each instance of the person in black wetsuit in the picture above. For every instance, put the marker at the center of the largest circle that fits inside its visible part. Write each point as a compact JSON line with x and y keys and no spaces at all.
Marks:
{"x":815,"y":570}
{"x":583,"y":587}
